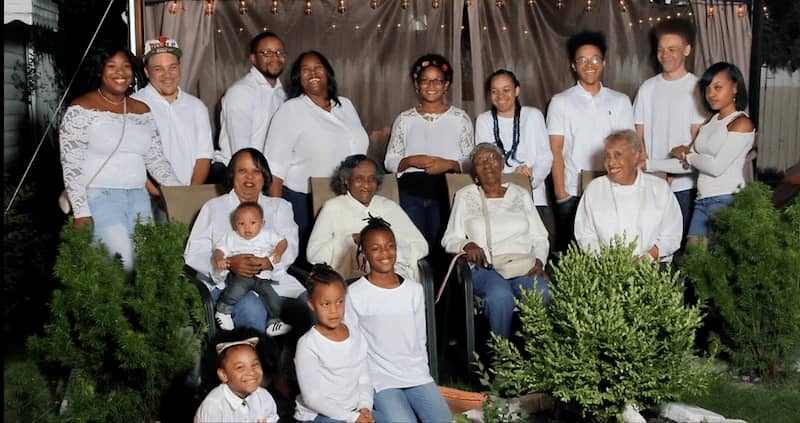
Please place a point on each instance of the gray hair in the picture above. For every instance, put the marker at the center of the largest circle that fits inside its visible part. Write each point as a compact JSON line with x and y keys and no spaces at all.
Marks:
{"x":629,"y":136}
{"x":345,"y":171}
{"x":486,"y":146}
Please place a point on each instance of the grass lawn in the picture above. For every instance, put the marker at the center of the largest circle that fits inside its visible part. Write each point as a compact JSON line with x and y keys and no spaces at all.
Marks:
{"x":774,"y":401}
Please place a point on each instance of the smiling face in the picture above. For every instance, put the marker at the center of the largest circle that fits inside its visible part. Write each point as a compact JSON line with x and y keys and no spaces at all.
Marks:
{"x":488,"y":166}
{"x":248,"y":222}
{"x":328,"y":304}
{"x":672,"y":52}
{"x":313,"y":77}
{"x":116,"y":75}
{"x":164,"y":72}
{"x":270,"y":67}
{"x":241,"y":370}
{"x":431,"y":85}
{"x":380,"y":250}
{"x":620,"y":162}
{"x":588,"y":63}
{"x":504,"y":94}
{"x":721,"y":92}
{"x":363,"y":182}
{"x":248,"y":181}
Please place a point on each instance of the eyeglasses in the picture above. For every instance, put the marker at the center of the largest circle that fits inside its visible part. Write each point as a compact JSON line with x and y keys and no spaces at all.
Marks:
{"x":490,"y":159}
{"x":269,"y":54}
{"x":595,"y":60}
{"x":434,"y":82}
{"x":670,"y":50}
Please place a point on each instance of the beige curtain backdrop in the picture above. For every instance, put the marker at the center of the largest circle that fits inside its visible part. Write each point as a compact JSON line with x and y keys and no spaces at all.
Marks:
{"x":724,"y":36}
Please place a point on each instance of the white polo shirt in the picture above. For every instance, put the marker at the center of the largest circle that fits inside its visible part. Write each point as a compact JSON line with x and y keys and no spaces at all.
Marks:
{"x":247,"y":108}
{"x":584,"y":121}
{"x":221,"y":405}
{"x":184,"y":128}
{"x":305,"y":140}
{"x":667,"y":110}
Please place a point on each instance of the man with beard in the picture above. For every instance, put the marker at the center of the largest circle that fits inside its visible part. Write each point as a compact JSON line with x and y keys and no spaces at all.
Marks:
{"x":182,"y":119}
{"x":250,"y":102}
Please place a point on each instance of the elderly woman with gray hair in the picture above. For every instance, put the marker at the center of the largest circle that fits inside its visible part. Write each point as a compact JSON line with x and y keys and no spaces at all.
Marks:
{"x":497,"y":227}
{"x":335,"y":235}
{"x":626,"y":203}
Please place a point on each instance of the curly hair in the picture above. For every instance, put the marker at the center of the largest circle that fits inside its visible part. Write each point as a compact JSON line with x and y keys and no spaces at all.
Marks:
{"x":436,"y":60}
{"x":295,"y":89}
{"x":97,"y":61}
{"x":345,"y":171}
{"x":584,"y":38}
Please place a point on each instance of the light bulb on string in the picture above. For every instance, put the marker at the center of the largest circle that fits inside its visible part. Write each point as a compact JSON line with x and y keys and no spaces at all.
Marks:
{"x":588,"y":7}
{"x":307,"y":9}
{"x":175,"y":7}
{"x":243,"y":7}
{"x":559,"y":4}
{"x":341,"y":8}
{"x":623,"y":6}
{"x":274,"y":7}
{"x":710,"y":11}
{"x":740,"y":11}
{"x":404,"y":4}
{"x":435,"y":4}
{"x":499,"y":3}
{"x":209,"y":7}
{"x":531,"y":3}
{"x":373,"y":4}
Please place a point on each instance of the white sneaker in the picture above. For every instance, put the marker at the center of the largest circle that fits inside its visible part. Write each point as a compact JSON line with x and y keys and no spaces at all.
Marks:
{"x":277,"y":327}
{"x":224,"y":321}
{"x":631,"y":415}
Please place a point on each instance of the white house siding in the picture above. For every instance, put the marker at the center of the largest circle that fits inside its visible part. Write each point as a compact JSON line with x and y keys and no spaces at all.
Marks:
{"x":779,"y":127}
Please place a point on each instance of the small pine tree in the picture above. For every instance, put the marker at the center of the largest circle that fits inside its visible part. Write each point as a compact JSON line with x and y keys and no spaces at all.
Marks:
{"x":121,"y":342}
{"x":615,"y":333}
{"x":751,"y":280}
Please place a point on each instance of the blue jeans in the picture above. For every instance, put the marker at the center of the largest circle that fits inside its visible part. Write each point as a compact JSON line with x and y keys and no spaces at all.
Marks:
{"x":114,"y":212}
{"x":704,"y":209}
{"x":426,"y":213}
{"x":251,"y":312}
{"x":686,"y":202}
{"x":423,"y":402}
{"x":325,"y":419}
{"x":301,"y":207}
{"x":565,"y":222}
{"x":498,"y":296}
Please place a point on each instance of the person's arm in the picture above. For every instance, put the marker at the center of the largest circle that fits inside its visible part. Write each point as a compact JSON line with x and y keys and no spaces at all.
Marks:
{"x":73,"y":145}
{"x":200,"y":245}
{"x":284,"y":132}
{"x":285,"y":226}
{"x":395,"y":160}
{"x":328,"y":242}
{"x":666,"y":165}
{"x":536,"y":230}
{"x":466,"y":143}
{"x":157,"y":164}
{"x":543,"y":161}
{"x":736,"y":143}
{"x":418,"y":304}
{"x":557,"y":170}
{"x":670,"y":231}
{"x":237,"y":116}
{"x":200,"y":173}
{"x":365,"y":388}
{"x":585,"y":231}
{"x":203,"y":146}
{"x":484,"y":129}
{"x":309,"y":378}
{"x":455,"y":236}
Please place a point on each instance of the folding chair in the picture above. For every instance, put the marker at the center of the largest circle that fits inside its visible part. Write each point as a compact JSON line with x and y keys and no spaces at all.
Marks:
{"x":463,"y":273}
{"x":322,"y":191}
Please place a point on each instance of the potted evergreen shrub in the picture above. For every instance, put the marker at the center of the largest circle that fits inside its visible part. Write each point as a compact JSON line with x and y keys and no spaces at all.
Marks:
{"x":616,"y":333}
{"x":750,"y":278}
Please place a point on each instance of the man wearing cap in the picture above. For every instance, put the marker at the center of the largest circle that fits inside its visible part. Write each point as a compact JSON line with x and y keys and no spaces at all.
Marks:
{"x":182,"y":119}
{"x":250,"y":102}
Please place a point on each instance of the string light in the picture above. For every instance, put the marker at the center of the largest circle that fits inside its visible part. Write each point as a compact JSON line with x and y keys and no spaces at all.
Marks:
{"x":559,"y":4}
{"x":175,"y":7}
{"x":274,"y":7}
{"x":404,"y":4}
{"x":766,"y":11}
{"x":531,"y":3}
{"x":469,"y":3}
{"x":623,"y":6}
{"x":307,"y":9}
{"x":242,"y":7}
{"x":341,"y":8}
{"x":588,"y":6}
{"x":500,"y":3}
{"x":374,"y":4}
{"x":740,"y":11}
{"x":435,"y":4}
{"x":209,"y":6}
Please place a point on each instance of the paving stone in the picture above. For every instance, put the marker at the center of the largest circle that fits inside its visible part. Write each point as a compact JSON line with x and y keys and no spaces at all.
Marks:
{"x":735,"y":421}
{"x":685,"y":413}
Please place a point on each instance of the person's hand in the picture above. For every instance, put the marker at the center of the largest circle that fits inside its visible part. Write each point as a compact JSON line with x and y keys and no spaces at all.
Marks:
{"x":420,"y":161}
{"x":561,"y":194}
{"x":356,"y":238}
{"x":152,"y":189}
{"x":537,"y":268}
{"x":246,"y":265}
{"x":438,"y":166}
{"x":365,"y":416}
{"x":80,"y":221}
{"x":476,"y":255}
{"x":275,"y":256}
{"x":680,"y":152}
{"x":524,"y":170}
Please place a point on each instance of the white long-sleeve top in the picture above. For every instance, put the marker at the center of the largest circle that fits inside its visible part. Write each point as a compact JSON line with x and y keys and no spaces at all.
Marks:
{"x":584,"y":121}
{"x":305,"y":140}
{"x":214,"y":221}
{"x":667,"y":109}
{"x":718,"y":155}
{"x":333,"y":376}
{"x":247,"y":109}
{"x":331,"y":239}
{"x":448,"y":135}
{"x":261,"y":245}
{"x":87,"y":139}
{"x":393,"y":323}
{"x":184,"y":128}
{"x":533,"y":149}
{"x":221,"y":405}
{"x":516,"y":226}
{"x":646,"y":211}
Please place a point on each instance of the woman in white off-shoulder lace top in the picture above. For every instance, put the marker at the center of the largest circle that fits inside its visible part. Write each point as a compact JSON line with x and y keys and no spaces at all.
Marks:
{"x":109,"y":143}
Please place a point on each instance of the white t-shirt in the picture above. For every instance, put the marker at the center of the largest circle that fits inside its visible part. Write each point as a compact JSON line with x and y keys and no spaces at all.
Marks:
{"x":221,"y":405}
{"x":393,"y":323}
{"x":333,"y":376}
{"x":448,"y":135}
{"x":184,"y":128}
{"x":533,"y":149}
{"x":646,"y":212}
{"x":584,"y":121}
{"x":305,"y":140}
{"x":247,"y":109}
{"x":261,"y":245}
{"x":667,"y":109}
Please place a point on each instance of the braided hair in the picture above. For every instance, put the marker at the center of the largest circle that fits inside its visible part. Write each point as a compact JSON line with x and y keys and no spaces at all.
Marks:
{"x":512,"y":153}
{"x":322,"y":273}
{"x":374,"y":223}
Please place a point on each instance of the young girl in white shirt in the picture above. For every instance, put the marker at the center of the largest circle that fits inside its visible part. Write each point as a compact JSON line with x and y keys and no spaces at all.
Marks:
{"x":331,"y":358}
{"x":390,"y":312}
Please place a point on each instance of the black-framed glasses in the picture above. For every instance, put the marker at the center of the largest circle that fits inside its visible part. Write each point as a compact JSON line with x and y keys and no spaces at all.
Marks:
{"x":595,"y":60}
{"x":270,"y":53}
{"x":434,"y":82}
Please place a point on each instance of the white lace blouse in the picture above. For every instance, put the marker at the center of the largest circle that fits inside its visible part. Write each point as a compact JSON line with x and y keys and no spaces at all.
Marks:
{"x":89,"y":137}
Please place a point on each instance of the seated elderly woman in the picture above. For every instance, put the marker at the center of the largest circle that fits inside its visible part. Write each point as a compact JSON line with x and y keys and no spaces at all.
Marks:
{"x":633,"y":205}
{"x":335,"y":235}
{"x":497,"y":226}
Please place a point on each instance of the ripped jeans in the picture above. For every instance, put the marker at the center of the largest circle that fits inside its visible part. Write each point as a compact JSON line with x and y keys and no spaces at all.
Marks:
{"x":114,"y":212}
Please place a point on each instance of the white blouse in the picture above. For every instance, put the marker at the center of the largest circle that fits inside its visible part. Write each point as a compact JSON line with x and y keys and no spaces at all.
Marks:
{"x":304,"y":140}
{"x":533,"y":149}
{"x":88,"y":138}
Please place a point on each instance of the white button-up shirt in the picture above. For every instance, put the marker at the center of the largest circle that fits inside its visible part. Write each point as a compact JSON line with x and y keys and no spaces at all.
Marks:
{"x":221,"y":405}
{"x":184,"y":127}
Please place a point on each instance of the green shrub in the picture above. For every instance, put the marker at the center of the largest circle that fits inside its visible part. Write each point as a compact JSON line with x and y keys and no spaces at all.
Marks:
{"x":27,"y":394}
{"x":615,"y":333}
{"x":122,"y":342}
{"x":751,"y":280}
